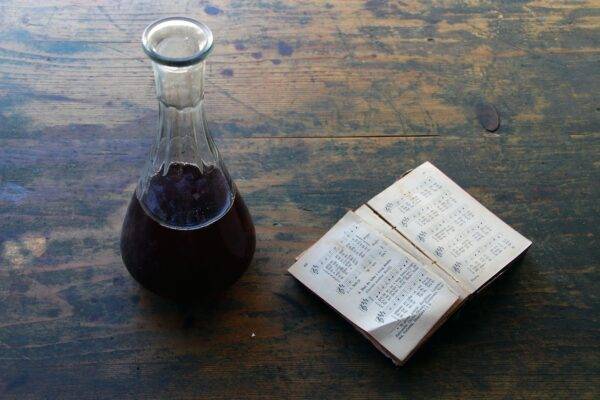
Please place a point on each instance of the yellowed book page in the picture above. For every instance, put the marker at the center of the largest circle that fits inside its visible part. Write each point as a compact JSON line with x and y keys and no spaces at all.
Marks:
{"x":374,"y":220}
{"x":383,"y":227}
{"x":375,"y":284}
{"x":449,"y":226}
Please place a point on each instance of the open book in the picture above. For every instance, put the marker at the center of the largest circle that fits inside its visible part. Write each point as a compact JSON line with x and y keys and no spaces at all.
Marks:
{"x":401,"y":264}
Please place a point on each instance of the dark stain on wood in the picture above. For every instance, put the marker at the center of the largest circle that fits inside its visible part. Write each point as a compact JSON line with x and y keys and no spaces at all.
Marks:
{"x":228,"y":72}
{"x":488,"y":117}
{"x":212,"y":10}
{"x":284,"y":48}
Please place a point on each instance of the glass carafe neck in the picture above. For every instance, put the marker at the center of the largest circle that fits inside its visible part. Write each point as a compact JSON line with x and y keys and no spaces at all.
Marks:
{"x":179,"y":87}
{"x":185,"y":183}
{"x":183,"y":135}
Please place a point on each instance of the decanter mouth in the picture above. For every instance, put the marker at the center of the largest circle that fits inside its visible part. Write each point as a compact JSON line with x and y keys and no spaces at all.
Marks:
{"x":177,"y":41}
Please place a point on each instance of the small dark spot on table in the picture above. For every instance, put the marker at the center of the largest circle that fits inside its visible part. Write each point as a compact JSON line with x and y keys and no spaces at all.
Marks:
{"x":228,"y":72}
{"x":240,"y":46}
{"x":212,"y":10}
{"x":285,"y":49}
{"x":430,"y":39}
{"x":354,"y":125}
{"x":488,"y":116}
{"x":328,"y":6}
{"x":257,"y":55}
{"x":276,"y":61}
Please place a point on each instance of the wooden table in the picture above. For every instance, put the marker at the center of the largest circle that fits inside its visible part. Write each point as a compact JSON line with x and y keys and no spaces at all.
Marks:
{"x":316,"y":106}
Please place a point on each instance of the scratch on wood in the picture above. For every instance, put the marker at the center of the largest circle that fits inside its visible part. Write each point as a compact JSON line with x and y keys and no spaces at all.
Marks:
{"x":110,"y":19}
{"x":248,"y":106}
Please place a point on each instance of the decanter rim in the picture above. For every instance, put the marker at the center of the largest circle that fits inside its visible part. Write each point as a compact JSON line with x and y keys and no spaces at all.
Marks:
{"x":195,"y":58}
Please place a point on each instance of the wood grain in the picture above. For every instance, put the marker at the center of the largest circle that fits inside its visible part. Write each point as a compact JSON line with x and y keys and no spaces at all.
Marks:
{"x":316,"y":106}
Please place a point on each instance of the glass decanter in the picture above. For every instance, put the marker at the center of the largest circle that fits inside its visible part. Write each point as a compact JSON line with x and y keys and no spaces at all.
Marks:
{"x":187,"y":232}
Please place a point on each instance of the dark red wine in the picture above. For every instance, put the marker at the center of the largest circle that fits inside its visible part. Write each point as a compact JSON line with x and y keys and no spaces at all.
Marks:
{"x":204,"y":241}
